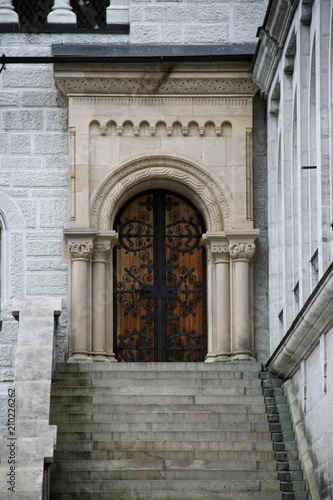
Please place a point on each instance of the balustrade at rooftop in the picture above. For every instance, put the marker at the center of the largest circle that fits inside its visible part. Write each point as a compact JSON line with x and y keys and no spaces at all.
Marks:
{"x":64,"y":15}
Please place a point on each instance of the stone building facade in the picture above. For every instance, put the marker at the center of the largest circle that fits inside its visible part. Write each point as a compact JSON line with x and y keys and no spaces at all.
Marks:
{"x":80,"y":135}
{"x":293,"y":68}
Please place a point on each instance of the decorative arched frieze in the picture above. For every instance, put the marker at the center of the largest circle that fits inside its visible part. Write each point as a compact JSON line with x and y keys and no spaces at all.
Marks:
{"x":195,"y":182}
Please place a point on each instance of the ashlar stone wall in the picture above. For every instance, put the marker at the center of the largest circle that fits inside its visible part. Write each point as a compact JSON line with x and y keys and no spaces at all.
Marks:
{"x":34,"y":146}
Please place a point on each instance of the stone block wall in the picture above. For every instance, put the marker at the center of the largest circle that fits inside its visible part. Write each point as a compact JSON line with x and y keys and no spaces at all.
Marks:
{"x":260,"y":263}
{"x":314,"y":387}
{"x":195,"y":22}
{"x":34,"y":145}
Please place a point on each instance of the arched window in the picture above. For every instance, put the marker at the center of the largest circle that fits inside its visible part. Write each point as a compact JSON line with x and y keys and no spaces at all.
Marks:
{"x":160,"y":282}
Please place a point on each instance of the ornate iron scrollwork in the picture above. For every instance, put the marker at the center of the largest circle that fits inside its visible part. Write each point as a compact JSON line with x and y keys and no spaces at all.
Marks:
{"x":160,"y":293}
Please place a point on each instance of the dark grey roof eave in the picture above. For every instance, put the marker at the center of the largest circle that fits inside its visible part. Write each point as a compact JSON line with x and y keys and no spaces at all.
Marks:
{"x":128,"y":53}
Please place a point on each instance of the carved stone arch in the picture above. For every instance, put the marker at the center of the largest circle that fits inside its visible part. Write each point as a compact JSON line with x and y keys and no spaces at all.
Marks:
{"x":180,"y":175}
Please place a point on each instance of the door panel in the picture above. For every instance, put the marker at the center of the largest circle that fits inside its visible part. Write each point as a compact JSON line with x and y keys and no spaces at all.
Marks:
{"x":160,"y":298}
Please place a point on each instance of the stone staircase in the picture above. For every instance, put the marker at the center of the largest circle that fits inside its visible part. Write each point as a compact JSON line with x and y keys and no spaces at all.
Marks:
{"x":181,"y":431}
{"x":293,"y":485}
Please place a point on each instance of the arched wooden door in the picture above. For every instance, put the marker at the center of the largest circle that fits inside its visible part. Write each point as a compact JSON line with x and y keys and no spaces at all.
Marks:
{"x":159,"y":288}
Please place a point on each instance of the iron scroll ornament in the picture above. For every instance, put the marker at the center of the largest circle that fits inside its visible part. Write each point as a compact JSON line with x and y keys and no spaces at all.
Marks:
{"x":160,"y":297}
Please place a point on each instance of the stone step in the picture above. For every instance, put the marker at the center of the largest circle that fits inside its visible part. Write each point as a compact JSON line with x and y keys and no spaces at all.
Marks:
{"x":293,"y":486}
{"x":288,"y":464}
{"x":226,"y":408}
{"x":158,"y":474}
{"x":276,"y":417}
{"x":283,"y":436}
{"x":153,"y":446}
{"x":133,"y":417}
{"x":286,"y":456}
{"x":165,"y":465}
{"x":297,"y":495}
{"x":171,"y":486}
{"x":165,"y":495}
{"x":272,"y":383}
{"x":285,"y":446}
{"x":161,"y":391}
{"x":188,"y":367}
{"x":287,"y":476}
{"x":199,"y":435}
{"x":276,"y":400}
{"x":156,"y":382}
{"x":239,"y":456}
{"x":190,"y":399}
{"x":281,"y":427}
{"x":273,"y":392}
{"x":277,"y":408}
{"x":156,"y":427}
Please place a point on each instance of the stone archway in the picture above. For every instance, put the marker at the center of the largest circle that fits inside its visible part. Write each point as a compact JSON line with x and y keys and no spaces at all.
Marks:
{"x":229,"y":254}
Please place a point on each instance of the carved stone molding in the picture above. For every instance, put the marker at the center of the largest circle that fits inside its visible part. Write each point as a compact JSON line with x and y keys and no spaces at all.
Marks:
{"x":206,"y":86}
{"x":80,"y":249}
{"x":242,"y":251}
{"x":209,"y":189}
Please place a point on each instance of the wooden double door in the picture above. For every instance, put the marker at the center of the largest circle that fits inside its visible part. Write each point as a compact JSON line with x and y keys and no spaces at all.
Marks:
{"x":159,"y":288}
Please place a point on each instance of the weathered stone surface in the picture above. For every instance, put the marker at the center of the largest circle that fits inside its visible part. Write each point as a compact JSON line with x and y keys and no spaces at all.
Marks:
{"x":51,"y":143}
{"x":22,"y":120}
{"x":49,"y":284}
{"x":42,"y":98}
{"x":28,"y":76}
{"x":3,"y":143}
{"x":180,"y":13}
{"x":28,"y":208}
{"x":42,"y":178}
{"x":4,"y":178}
{"x":44,"y":248}
{"x":6,"y":355}
{"x":56,"y":119}
{"x":211,"y":32}
{"x":154,"y":13}
{"x":214,"y":13}
{"x":19,"y":162}
{"x":46,"y":265}
{"x":53,"y":213}
{"x":8,"y":98}
{"x":145,"y":33}
{"x":20,"y":144}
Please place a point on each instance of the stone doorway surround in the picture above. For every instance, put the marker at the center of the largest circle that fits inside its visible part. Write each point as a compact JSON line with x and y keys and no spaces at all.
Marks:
{"x":184,"y":127}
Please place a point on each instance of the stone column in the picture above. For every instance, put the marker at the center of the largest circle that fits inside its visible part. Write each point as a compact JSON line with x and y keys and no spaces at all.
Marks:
{"x":242,"y":249}
{"x":117,"y":12}
{"x":102,"y":296}
{"x":218,"y":287}
{"x":80,"y":245}
{"x":7,"y":12}
{"x":61,"y":13}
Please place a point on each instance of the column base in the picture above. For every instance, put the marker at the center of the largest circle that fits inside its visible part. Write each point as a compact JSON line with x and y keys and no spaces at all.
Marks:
{"x":210,"y":358}
{"x":80,"y":358}
{"x":244,"y":356}
{"x":222,"y":357}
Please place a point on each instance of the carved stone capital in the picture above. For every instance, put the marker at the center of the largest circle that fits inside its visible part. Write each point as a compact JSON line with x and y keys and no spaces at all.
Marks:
{"x":101,"y":251}
{"x":218,"y":245}
{"x":80,"y":249}
{"x":242,"y":251}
